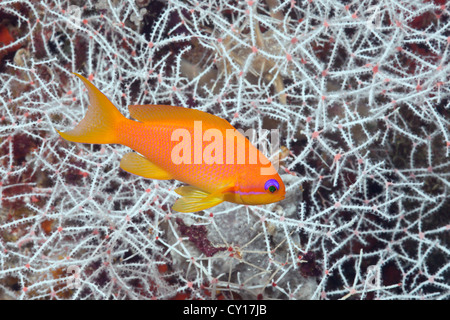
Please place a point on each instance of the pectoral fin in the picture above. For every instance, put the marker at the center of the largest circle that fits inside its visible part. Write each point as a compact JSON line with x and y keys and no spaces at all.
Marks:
{"x":192,"y":192}
{"x":141,"y":166}
{"x":195,"y":199}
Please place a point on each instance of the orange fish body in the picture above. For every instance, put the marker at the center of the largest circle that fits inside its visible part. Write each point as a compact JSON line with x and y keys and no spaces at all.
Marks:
{"x":197,"y":148}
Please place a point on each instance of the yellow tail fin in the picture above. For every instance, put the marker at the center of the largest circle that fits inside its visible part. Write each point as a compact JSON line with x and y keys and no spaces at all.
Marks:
{"x":100,"y":123}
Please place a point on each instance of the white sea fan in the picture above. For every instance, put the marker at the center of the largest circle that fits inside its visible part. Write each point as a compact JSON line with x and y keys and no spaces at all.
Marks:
{"x":358,"y":91}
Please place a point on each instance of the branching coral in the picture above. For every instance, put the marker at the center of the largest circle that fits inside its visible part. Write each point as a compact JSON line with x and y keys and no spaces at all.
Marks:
{"x":358,"y":91}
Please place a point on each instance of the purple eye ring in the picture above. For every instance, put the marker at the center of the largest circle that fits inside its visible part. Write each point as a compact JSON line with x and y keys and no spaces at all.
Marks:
{"x":272,"y":185}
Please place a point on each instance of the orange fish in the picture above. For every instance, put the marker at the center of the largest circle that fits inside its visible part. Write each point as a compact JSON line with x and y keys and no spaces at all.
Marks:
{"x":197,"y":148}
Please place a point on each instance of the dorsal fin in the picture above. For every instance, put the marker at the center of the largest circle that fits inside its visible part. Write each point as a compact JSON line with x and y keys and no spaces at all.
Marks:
{"x":160,"y":113}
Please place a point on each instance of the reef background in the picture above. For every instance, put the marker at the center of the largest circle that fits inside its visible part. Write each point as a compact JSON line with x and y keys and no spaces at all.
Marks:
{"x":357,"y":89}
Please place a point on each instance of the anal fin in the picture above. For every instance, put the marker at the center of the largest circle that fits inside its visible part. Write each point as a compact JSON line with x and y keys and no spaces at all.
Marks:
{"x":141,"y":166}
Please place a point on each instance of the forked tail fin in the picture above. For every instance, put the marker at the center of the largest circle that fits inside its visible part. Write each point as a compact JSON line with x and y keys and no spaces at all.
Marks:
{"x":100,"y":124}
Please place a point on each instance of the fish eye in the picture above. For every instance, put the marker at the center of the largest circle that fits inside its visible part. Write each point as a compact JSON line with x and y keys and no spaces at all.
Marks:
{"x":272,"y":185}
